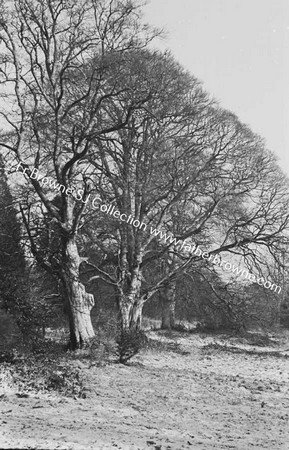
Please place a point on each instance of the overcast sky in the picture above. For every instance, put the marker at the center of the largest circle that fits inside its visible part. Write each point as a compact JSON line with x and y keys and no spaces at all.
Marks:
{"x":240,"y":50}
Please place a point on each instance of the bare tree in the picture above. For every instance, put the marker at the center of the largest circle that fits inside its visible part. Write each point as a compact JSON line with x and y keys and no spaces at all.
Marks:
{"x":183,"y":170}
{"x":54,"y":59}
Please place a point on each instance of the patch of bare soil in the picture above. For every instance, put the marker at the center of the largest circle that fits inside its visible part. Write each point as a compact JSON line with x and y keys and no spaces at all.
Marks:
{"x":190,"y":395}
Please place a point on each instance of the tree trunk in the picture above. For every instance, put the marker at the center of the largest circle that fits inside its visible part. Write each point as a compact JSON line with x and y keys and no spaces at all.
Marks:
{"x":131,"y":306}
{"x":125,"y":311}
{"x":131,"y":313}
{"x":168,"y":302}
{"x":136,"y":315}
{"x":79,"y":302}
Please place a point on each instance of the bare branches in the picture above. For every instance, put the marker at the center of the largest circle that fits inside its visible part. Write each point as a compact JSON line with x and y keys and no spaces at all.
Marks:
{"x":191,"y":170}
{"x":48,"y":50}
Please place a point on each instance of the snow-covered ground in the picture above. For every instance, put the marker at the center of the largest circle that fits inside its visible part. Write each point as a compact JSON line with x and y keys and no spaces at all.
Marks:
{"x":197,"y":394}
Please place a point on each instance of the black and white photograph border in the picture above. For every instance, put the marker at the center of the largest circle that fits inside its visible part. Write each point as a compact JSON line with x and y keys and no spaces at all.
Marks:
{"x":144,"y":218}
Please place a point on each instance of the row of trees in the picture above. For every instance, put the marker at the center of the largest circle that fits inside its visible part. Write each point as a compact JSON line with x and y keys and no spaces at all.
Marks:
{"x":91,"y":105}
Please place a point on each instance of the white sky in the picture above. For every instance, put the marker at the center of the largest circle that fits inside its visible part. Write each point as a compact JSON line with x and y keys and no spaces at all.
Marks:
{"x":240,"y":50}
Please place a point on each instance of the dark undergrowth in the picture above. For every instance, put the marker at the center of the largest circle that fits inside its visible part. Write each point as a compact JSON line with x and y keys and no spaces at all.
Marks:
{"x":29,"y":372}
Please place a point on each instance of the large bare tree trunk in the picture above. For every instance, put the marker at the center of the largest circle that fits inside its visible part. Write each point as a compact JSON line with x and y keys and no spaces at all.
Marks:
{"x":79,"y":302}
{"x":168,"y":302}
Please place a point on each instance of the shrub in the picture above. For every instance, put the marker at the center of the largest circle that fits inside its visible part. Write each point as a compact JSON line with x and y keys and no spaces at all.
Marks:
{"x":129,"y":343}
